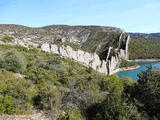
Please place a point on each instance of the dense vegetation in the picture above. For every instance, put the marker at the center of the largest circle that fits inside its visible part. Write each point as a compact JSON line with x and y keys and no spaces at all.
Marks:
{"x":144,"y":48}
{"x":145,"y":93}
{"x":66,"y":90}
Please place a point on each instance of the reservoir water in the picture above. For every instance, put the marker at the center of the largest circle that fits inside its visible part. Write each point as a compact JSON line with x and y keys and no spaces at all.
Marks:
{"x":133,"y":73}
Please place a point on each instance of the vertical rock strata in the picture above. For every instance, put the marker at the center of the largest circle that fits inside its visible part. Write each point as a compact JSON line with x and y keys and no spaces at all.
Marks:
{"x":114,"y":62}
{"x":84,"y":58}
{"x":112,"y":42}
{"x":108,"y":66}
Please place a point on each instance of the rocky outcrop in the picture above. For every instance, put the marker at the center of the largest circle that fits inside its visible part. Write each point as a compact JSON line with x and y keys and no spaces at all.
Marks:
{"x":120,"y":53}
{"x":85,"y":58}
{"x":126,"y":49}
{"x":50,"y":34}
{"x":46,"y":47}
{"x":108,"y":66}
{"x":113,"y":42}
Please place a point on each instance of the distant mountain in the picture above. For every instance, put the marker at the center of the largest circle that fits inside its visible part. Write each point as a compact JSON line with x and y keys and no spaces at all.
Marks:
{"x":145,"y":34}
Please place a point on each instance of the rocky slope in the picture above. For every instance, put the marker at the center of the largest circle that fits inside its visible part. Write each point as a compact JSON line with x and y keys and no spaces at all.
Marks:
{"x":100,"y":47}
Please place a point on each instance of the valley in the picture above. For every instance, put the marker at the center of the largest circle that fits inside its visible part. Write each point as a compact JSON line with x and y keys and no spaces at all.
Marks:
{"x":66,"y":72}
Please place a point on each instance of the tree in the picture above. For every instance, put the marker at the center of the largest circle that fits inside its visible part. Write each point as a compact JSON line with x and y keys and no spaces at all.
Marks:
{"x":147,"y":92}
{"x":13,"y":60}
{"x":111,"y":108}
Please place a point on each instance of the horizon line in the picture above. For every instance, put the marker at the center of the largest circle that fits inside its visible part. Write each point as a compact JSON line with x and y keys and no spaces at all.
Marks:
{"x":91,"y":25}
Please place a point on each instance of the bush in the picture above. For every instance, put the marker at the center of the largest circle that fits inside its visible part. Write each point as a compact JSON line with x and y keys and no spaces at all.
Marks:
{"x":146,"y":91}
{"x":6,"y":105}
{"x":71,"y":114}
{"x":47,"y":96}
{"x":15,"y":93}
{"x":111,"y":108}
{"x":13,"y":60}
{"x":113,"y":85}
{"x":126,"y":81}
{"x":37,"y":74}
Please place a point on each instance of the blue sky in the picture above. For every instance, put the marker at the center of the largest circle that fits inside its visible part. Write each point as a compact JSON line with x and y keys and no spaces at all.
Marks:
{"x":130,"y":15}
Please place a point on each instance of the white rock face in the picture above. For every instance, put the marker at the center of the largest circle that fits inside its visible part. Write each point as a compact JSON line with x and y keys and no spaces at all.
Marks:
{"x":115,"y":60}
{"x":108,"y":66}
{"x":46,"y":47}
{"x":113,"y":64}
{"x":21,"y":43}
{"x":84,"y":58}
{"x":54,"y":49}
{"x":127,"y":43}
{"x":108,"y":54}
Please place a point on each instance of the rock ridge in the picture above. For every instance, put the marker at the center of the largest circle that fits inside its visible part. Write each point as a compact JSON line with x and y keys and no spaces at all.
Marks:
{"x":113,"y":41}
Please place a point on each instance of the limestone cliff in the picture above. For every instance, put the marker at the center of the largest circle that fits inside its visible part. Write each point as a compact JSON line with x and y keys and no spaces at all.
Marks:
{"x":108,"y":66}
{"x":99,"y":47}
{"x":85,"y":58}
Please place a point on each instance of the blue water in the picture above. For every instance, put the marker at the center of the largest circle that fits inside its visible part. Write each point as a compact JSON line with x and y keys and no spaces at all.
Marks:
{"x":133,"y":73}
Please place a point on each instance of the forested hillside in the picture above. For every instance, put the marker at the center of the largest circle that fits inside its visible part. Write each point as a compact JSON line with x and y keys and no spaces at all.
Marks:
{"x":144,"y":48}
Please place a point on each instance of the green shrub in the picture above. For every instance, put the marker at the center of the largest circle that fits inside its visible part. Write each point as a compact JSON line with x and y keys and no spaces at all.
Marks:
{"x":111,"y":108}
{"x":15,"y":93}
{"x":146,"y":92}
{"x":71,"y":114}
{"x":126,"y":81}
{"x":13,"y":60}
{"x":47,"y":96}
{"x":37,"y":74}
{"x":6,"y":105}
{"x":113,"y":85}
{"x":46,"y":82}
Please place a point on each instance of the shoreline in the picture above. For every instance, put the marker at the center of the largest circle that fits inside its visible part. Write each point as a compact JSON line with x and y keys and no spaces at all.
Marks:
{"x":129,"y":68}
{"x":137,"y":66}
{"x":125,"y":69}
{"x":145,"y":60}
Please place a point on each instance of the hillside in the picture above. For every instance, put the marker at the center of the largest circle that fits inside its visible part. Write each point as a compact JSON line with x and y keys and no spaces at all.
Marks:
{"x":106,"y":45}
{"x":89,"y":38}
{"x":46,"y":73}
{"x":144,"y":47}
{"x":59,"y":88}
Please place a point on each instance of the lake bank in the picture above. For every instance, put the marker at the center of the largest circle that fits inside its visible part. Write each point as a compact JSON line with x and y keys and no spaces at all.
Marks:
{"x":129,"y":68}
{"x":145,"y":60}
{"x":125,"y":69}
{"x":133,"y":73}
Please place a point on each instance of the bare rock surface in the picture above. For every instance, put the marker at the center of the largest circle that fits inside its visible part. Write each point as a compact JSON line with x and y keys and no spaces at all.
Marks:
{"x":85,"y":58}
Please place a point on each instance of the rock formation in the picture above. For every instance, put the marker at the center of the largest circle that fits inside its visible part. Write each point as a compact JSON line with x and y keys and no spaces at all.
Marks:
{"x":85,"y":58}
{"x":112,"y":41}
{"x":108,"y":66}
{"x":113,"y":61}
